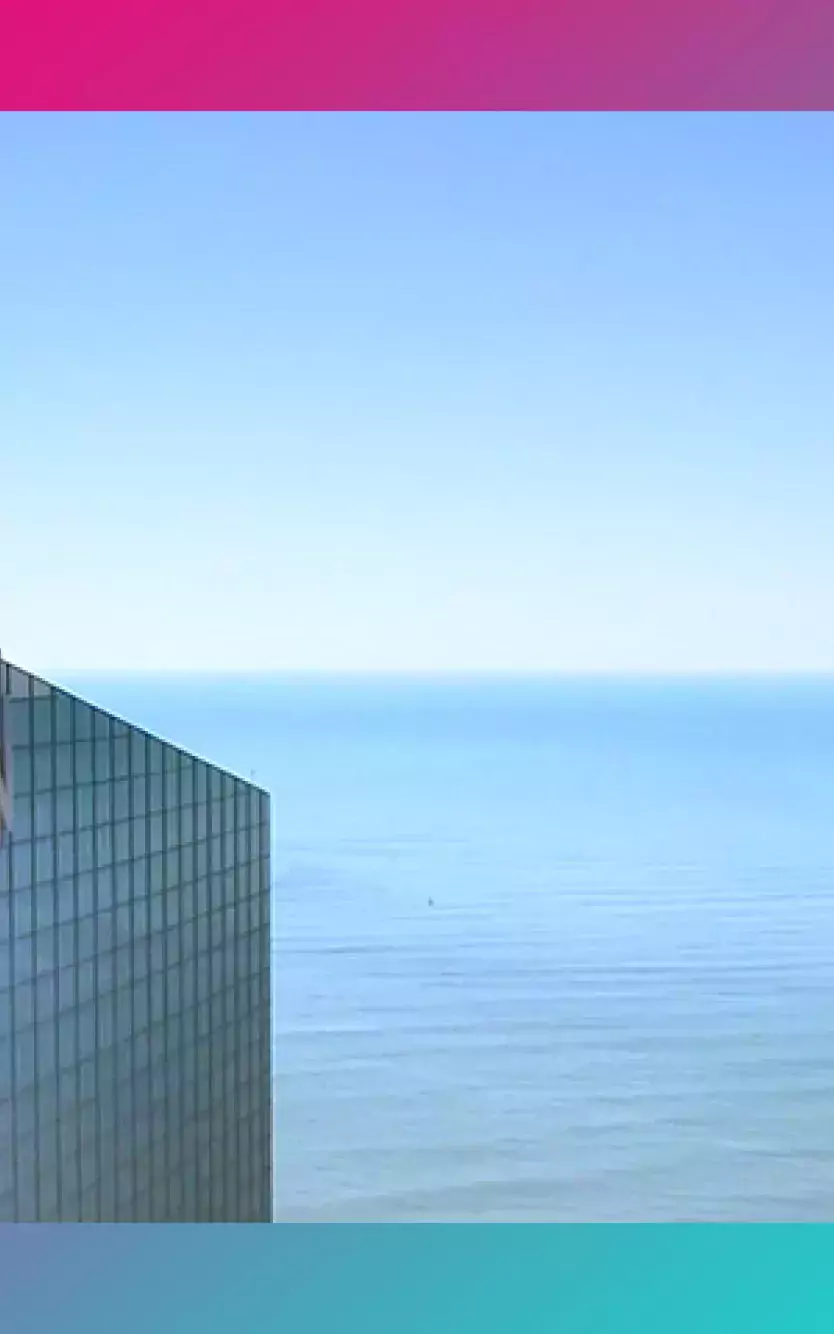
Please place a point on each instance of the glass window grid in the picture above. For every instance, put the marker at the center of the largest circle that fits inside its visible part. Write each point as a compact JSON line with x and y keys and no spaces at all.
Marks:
{"x":61,"y":855}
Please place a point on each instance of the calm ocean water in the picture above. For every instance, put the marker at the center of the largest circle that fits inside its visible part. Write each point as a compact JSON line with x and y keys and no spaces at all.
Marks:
{"x":543,"y":950}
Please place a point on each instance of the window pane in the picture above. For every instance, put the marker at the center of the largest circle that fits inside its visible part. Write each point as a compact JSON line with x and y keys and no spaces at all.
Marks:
{"x":45,"y":859}
{"x":155,"y":833}
{"x":63,"y":716}
{"x":83,"y":762}
{"x":64,"y":811}
{"x":43,"y":768}
{"x":85,"y":850}
{"x":22,"y":910}
{"x":104,"y":886}
{"x":139,"y":837}
{"x":63,"y":765}
{"x":45,"y":905}
{"x":21,"y":864}
{"x":121,"y":800}
{"x":122,"y":841}
{"x":103,"y":805}
{"x":123,"y":882}
{"x":44,"y":815}
{"x":83,"y":721}
{"x":104,"y":845}
{"x":137,"y":753}
{"x":121,"y":757}
{"x":103,"y":769}
{"x":42,"y":721}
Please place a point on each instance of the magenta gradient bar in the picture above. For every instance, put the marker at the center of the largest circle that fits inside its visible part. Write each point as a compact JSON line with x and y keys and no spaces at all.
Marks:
{"x":416,"y":54}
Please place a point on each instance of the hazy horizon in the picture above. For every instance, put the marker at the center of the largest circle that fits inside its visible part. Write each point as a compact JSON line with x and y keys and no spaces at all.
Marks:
{"x":435,"y":674}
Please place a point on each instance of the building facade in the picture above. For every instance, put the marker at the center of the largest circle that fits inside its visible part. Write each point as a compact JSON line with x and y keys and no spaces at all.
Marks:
{"x":135,"y":1052}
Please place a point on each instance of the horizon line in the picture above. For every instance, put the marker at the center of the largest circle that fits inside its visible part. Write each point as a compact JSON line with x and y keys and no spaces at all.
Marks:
{"x":436,"y":673}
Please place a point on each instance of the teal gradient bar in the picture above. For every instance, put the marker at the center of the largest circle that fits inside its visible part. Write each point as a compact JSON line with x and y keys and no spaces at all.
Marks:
{"x":399,"y":1280}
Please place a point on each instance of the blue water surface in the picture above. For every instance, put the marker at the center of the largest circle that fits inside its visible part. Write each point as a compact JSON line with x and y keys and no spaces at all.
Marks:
{"x":543,"y":949}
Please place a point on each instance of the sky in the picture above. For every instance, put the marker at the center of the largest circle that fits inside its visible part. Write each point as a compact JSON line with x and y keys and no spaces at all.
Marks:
{"x":417,"y":393}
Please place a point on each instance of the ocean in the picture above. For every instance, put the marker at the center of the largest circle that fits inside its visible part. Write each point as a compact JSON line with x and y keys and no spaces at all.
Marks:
{"x":544,"y":949}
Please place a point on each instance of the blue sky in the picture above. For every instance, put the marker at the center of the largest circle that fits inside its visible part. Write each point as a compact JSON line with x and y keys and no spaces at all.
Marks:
{"x":418,"y":392}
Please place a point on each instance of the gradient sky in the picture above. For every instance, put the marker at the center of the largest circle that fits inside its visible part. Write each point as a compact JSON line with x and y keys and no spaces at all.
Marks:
{"x":417,"y":392}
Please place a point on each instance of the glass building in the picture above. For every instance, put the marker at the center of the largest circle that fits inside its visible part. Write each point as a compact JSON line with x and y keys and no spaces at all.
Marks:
{"x":135,"y":1054}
